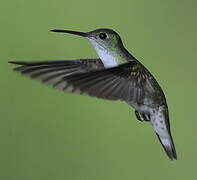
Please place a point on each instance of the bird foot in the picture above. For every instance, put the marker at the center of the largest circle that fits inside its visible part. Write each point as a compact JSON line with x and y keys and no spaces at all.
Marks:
{"x":142,"y":117}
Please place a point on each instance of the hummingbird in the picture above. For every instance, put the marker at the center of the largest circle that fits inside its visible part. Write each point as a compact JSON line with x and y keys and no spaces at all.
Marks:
{"x":116,"y":75}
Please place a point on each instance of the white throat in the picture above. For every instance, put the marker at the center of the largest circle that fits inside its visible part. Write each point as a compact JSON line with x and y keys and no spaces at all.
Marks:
{"x":106,"y":57}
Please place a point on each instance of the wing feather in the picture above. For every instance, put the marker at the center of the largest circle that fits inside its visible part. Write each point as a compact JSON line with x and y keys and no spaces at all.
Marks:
{"x":88,"y":76}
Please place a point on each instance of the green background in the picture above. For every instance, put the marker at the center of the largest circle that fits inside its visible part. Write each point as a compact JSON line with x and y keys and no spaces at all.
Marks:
{"x":47,"y":134}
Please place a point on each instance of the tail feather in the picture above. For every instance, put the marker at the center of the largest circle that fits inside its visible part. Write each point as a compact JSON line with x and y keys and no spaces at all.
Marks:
{"x":161,"y":125}
{"x":168,"y":146}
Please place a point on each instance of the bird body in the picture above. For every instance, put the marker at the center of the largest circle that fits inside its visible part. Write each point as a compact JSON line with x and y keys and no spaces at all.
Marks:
{"x":116,"y":75}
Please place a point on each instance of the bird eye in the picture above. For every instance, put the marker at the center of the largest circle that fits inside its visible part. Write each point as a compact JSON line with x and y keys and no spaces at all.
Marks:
{"x":102,"y":36}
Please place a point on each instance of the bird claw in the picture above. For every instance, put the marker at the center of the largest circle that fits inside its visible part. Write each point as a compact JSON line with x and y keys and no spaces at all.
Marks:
{"x":141,"y":116}
{"x":137,"y":114}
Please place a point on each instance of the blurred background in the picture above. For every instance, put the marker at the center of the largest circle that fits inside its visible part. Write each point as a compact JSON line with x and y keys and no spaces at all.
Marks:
{"x":47,"y":134}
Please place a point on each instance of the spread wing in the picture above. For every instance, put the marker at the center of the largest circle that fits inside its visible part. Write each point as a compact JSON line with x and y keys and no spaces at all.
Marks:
{"x":125,"y":82}
{"x":52,"y":71}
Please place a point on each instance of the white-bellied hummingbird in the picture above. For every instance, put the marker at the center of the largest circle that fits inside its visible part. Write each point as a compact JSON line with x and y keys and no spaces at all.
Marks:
{"x":115,"y":75}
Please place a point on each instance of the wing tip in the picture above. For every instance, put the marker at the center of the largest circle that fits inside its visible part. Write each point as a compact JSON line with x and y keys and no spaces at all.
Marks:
{"x":12,"y":62}
{"x":18,"y":62}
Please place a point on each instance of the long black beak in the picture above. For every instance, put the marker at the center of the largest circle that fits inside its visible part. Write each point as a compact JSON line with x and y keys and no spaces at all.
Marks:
{"x":83,"y":34}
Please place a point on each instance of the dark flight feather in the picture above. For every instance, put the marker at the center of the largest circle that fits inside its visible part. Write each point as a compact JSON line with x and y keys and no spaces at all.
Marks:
{"x":88,"y":76}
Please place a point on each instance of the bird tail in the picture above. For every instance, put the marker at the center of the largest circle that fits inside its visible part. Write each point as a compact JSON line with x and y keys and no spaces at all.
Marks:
{"x":161,"y":125}
{"x":168,"y":145}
